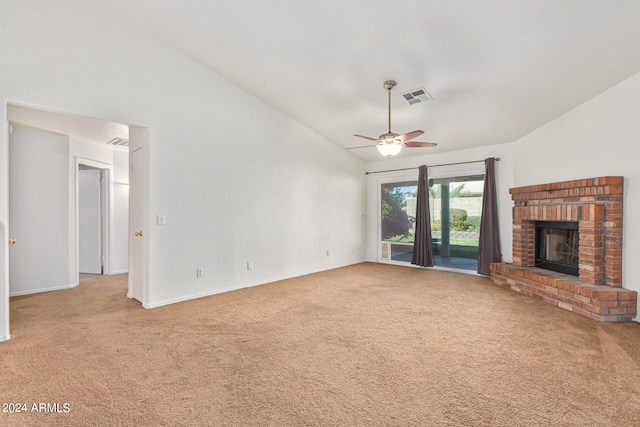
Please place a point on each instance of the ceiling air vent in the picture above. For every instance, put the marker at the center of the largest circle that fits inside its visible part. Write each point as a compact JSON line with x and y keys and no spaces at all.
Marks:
{"x":119,"y":142}
{"x":417,"y":95}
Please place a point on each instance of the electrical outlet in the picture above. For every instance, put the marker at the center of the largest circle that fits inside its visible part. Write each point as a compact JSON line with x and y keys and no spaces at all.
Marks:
{"x":249,"y":265}
{"x":199,"y":272}
{"x":327,"y":252}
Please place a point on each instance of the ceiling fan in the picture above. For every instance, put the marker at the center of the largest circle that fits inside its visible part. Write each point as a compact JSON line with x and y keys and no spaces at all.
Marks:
{"x":390,"y":143}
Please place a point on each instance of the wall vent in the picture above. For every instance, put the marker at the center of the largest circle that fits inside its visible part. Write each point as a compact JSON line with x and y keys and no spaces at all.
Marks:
{"x":119,"y":142}
{"x":385,"y":251}
{"x":417,"y":95}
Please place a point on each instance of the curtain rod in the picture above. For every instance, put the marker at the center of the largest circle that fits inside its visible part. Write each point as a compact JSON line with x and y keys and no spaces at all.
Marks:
{"x":497,"y":159}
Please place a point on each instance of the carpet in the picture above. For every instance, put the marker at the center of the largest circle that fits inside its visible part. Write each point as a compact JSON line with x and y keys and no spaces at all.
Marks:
{"x":364,"y":345}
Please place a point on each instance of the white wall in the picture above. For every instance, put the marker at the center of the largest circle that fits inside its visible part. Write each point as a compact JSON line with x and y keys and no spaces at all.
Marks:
{"x":39,"y":200}
{"x":601,"y":137}
{"x":211,"y":144}
{"x":504,"y":181}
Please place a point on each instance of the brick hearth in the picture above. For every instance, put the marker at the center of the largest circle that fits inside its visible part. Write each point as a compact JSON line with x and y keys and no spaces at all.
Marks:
{"x":596,"y":204}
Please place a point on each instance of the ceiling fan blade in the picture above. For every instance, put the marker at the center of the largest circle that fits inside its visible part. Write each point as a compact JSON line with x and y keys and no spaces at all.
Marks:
{"x":362,"y":146}
{"x":409,"y":136}
{"x":419,"y":144}
{"x":366,"y":137}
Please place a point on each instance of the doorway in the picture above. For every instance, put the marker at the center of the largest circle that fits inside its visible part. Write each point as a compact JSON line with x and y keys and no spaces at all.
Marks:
{"x":66,"y":138}
{"x":90,"y":196}
{"x":456,"y":209}
{"x":92,"y":218}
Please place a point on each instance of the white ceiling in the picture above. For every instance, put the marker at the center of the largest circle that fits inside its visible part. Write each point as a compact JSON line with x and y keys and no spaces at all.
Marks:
{"x":497,"y":69}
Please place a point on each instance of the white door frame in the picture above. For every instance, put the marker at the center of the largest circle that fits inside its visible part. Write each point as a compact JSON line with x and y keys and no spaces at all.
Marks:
{"x":5,"y":333}
{"x":139,"y":287}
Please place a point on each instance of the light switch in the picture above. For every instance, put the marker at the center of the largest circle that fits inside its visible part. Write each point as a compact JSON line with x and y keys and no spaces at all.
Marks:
{"x":161,"y":220}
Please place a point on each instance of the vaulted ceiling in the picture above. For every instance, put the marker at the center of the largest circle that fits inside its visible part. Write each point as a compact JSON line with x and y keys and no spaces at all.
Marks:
{"x":496,"y":69}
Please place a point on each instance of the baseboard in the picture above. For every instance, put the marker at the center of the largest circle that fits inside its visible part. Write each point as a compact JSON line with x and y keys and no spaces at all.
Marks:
{"x":114,"y":272}
{"x":5,"y":338}
{"x":243,"y":286}
{"x":39,"y":291}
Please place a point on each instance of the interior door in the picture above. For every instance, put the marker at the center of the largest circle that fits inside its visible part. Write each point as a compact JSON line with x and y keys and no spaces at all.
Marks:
{"x":89,"y":221}
{"x":136,"y":237}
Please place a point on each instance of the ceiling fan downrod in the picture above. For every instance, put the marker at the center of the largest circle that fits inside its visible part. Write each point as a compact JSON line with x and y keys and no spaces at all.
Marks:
{"x":389,"y":85}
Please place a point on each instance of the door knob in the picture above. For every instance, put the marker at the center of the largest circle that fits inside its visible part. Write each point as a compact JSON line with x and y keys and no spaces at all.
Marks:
{"x":138,"y":233}
{"x":12,"y":242}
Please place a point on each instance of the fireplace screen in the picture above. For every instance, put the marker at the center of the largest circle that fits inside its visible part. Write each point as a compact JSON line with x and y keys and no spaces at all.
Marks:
{"x":557,"y":246}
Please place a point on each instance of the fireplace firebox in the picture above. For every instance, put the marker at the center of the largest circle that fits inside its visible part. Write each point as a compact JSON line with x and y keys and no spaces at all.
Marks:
{"x":557,"y":246}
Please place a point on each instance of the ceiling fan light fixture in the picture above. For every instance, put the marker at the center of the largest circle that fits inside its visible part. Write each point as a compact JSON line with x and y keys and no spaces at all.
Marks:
{"x":389,"y":150}
{"x":390,"y":144}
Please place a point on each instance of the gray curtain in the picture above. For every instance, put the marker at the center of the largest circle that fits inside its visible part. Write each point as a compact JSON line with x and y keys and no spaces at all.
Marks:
{"x":489,"y":246}
{"x":422,"y":248}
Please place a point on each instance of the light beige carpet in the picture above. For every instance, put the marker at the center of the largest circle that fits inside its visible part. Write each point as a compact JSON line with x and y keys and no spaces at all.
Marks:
{"x":366,"y":345}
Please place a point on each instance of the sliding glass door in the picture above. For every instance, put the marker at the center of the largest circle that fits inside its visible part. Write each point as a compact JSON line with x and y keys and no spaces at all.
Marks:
{"x":456,"y":206}
{"x":398,"y":217}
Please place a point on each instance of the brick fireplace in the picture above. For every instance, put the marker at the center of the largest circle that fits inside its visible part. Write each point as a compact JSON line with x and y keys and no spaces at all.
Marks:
{"x":595,"y":206}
